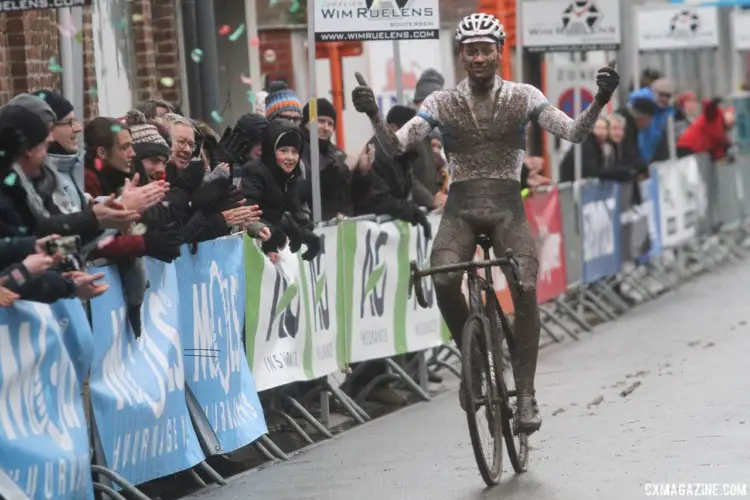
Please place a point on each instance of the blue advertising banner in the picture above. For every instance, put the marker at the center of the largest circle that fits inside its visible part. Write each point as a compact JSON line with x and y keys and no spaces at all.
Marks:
{"x":600,"y":229}
{"x":650,"y":196}
{"x":138,"y":385}
{"x":212,"y":298}
{"x":43,"y":432}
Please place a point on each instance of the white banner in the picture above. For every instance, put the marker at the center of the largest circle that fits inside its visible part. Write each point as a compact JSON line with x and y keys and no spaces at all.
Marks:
{"x":672,"y":204}
{"x":374,"y":292}
{"x":321,"y":277}
{"x":695,"y":192}
{"x":741,"y":29}
{"x":675,"y":27}
{"x":366,"y":20}
{"x":423,"y":326}
{"x":280,"y":335}
{"x":562,"y":25}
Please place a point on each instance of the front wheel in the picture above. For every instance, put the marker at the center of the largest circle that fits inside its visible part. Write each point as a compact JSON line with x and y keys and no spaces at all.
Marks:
{"x":481,"y":398}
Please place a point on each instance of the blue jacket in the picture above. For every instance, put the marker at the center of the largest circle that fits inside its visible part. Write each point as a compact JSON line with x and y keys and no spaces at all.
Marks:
{"x":649,"y":138}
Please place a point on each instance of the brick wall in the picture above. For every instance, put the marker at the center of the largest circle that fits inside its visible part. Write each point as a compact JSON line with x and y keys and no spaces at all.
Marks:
{"x":166,"y":49}
{"x":280,"y":42}
{"x":27,"y":43}
{"x":90,"y":98}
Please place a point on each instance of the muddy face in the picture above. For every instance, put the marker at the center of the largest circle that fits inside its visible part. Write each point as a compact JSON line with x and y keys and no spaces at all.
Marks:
{"x":481,"y":60}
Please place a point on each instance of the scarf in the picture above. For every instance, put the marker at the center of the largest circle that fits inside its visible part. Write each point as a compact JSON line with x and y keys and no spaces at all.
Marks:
{"x":47,"y":186}
{"x":69,"y":170}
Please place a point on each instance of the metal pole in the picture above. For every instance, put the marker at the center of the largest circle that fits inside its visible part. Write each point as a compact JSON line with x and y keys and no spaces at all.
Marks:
{"x":209,"y":66}
{"x":314,"y":146}
{"x":398,"y":73}
{"x":577,"y":153}
{"x":519,"y":41}
{"x":636,"y":51}
{"x":193,"y":73}
{"x":253,"y":50}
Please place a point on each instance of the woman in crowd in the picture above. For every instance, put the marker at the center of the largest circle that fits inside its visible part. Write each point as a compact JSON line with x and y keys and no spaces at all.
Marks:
{"x":593,"y":150}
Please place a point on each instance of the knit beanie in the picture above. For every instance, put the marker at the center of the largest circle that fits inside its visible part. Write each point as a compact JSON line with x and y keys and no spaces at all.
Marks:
{"x":60,"y":105}
{"x":290,"y":138}
{"x":281,"y":99}
{"x":644,"y":106}
{"x":325,"y":108}
{"x":20,"y":130}
{"x":400,"y":115}
{"x":36,"y":105}
{"x":430,"y":81}
{"x":147,"y":141}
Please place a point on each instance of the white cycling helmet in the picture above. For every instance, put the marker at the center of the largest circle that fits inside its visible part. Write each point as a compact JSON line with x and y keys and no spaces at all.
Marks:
{"x":480,"y":28}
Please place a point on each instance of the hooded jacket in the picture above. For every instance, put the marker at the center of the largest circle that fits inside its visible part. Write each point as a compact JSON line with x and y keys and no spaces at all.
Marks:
{"x":652,"y":141}
{"x":265,"y":184}
{"x":707,"y":134}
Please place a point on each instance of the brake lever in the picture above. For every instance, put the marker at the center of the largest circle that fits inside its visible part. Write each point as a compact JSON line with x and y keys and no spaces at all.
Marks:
{"x":514,"y":267}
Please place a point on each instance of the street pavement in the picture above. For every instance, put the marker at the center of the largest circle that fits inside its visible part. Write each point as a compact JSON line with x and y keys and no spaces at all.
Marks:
{"x":688,"y":421}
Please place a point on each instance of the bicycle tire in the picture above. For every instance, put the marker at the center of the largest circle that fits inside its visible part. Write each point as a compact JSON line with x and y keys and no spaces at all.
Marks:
{"x":477,"y":329}
{"x":516,"y":445}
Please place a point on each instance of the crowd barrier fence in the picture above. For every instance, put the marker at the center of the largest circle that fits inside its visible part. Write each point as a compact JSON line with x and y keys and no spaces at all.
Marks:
{"x":222,"y":324}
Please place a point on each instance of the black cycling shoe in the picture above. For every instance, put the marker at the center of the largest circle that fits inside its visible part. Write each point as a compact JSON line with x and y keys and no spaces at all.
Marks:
{"x":526,"y":420}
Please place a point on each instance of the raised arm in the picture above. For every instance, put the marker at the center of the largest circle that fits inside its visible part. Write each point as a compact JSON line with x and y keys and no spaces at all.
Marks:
{"x":413,"y":131}
{"x":557,"y":123}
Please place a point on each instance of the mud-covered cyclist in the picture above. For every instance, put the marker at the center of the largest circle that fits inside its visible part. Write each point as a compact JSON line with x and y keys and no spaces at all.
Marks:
{"x":482,"y":122}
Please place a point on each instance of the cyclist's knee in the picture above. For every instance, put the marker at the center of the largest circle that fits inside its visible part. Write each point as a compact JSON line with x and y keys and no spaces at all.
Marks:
{"x":447,"y":281}
{"x":444,"y":257}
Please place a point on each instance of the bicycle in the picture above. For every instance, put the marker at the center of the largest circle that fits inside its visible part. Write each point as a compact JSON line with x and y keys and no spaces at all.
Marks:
{"x":481,"y":353}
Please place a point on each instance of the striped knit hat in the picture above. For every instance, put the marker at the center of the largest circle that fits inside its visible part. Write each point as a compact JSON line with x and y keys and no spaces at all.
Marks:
{"x":280,"y":99}
{"x":147,"y":141}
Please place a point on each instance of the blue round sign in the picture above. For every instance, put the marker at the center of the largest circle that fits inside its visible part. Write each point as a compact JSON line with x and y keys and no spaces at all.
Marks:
{"x":567,"y":101}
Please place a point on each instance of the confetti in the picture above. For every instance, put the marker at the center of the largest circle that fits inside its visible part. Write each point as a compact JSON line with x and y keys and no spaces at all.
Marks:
{"x":53,"y":66}
{"x":197,"y":55}
{"x":251,"y":97}
{"x":116,"y":128}
{"x":137,"y":18}
{"x":93,"y":92}
{"x":246,"y":79}
{"x":167,"y":81}
{"x":237,"y":33}
{"x":42,"y":95}
{"x":295,"y":7}
{"x":98,"y":164}
{"x":2,"y":154}
{"x":79,"y":37}
{"x":269,"y":56}
{"x":224,"y":30}
{"x":215,"y":116}
{"x":255,"y":42}
{"x":122,"y":23}
{"x":274,"y":3}
{"x":10,"y":180}
{"x":22,"y":229}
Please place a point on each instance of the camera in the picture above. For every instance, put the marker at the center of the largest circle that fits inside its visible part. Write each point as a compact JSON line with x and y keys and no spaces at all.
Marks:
{"x":65,"y":246}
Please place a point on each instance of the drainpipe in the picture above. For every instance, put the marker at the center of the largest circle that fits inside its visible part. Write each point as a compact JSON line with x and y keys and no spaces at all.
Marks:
{"x":209,"y":67}
{"x":192,"y":68}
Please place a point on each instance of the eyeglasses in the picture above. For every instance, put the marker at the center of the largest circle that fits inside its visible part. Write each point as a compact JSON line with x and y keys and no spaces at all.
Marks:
{"x":184,"y":143}
{"x":293,"y":119}
{"x":68,"y":123}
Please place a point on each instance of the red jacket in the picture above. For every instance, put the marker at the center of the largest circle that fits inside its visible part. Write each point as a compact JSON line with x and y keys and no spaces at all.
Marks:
{"x":124,"y":246}
{"x":707,"y":134}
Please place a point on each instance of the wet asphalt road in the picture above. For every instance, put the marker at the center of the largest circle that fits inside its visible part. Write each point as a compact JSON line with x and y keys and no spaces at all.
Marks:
{"x":687,"y":421}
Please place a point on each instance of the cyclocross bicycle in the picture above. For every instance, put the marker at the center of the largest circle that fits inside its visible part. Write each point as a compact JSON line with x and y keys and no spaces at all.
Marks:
{"x":486,"y":382}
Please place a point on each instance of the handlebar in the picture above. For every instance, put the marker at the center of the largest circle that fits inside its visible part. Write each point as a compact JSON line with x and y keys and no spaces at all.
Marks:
{"x":416,"y":274}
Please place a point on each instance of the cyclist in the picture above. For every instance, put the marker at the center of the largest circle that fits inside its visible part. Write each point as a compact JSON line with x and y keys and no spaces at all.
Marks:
{"x":482,"y":122}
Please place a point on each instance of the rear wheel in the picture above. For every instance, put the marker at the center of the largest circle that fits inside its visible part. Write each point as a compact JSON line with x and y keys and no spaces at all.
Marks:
{"x":481,"y":398}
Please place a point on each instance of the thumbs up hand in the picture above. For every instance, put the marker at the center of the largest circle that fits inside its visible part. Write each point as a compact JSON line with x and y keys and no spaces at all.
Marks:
{"x":363,"y":98}
{"x":607,"y":79}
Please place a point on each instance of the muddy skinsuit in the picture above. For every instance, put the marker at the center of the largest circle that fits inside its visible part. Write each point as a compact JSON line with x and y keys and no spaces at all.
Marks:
{"x":482,"y":136}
